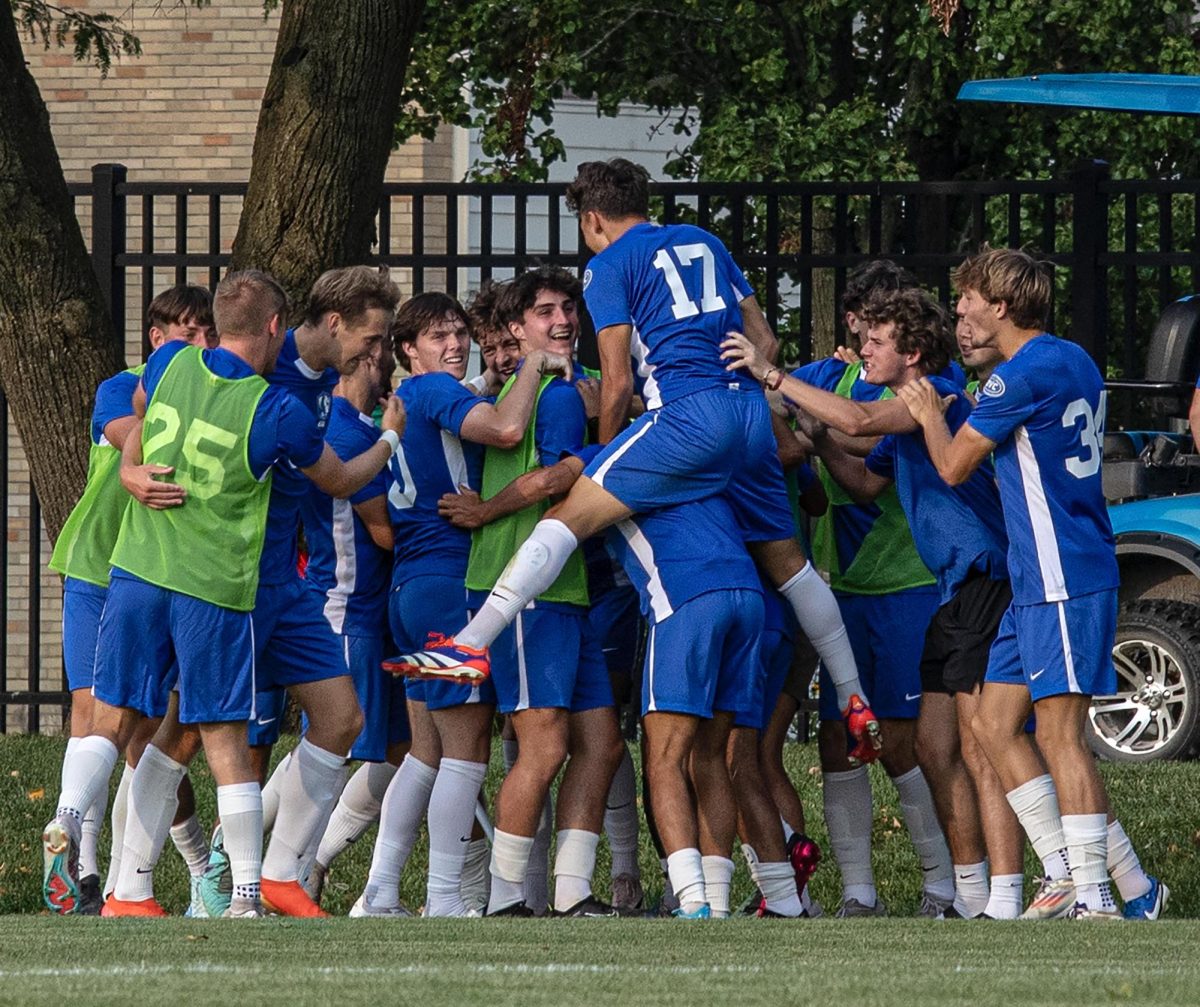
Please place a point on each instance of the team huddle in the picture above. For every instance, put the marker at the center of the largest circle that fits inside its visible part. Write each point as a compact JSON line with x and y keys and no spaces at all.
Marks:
{"x":551,"y":547}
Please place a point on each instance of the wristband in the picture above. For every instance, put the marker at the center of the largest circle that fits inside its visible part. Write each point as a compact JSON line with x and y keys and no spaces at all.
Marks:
{"x":392,"y":438}
{"x":773,"y":386}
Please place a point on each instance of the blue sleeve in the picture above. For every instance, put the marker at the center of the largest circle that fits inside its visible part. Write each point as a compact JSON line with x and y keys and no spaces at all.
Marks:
{"x":1006,"y":401}
{"x":588,"y":453}
{"x":114,"y":401}
{"x":157,"y":364}
{"x":882,"y":459}
{"x":733,"y":273}
{"x":605,"y":293}
{"x":806,"y":475}
{"x":448,"y":402}
{"x":823,"y":374}
{"x":561,"y":423}
{"x":349,"y":439}
{"x":283,"y":430}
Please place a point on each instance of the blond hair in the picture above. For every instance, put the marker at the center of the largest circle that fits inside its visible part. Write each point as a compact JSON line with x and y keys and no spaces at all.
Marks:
{"x":351,"y":291}
{"x":1013,"y":277}
{"x":245,"y":302}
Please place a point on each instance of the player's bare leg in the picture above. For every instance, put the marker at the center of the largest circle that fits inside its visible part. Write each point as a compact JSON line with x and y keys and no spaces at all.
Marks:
{"x":716,"y":808}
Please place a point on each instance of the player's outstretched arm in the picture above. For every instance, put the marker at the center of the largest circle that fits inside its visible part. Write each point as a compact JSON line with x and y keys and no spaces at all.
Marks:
{"x":343,"y":479}
{"x":855,"y":418}
{"x":466,"y":509}
{"x":955,"y":457}
{"x":616,"y":390}
{"x":503,"y":425}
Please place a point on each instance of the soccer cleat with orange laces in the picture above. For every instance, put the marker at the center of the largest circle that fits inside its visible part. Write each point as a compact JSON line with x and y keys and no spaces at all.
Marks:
{"x":443,"y":660}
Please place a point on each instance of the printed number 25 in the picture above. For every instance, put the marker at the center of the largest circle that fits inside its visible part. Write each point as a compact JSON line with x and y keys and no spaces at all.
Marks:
{"x":684,"y":306}
{"x":1091,"y":436}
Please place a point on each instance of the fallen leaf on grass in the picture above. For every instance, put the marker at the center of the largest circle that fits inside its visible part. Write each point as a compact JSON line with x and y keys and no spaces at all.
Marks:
{"x":37,"y":795}
{"x":197,"y":937}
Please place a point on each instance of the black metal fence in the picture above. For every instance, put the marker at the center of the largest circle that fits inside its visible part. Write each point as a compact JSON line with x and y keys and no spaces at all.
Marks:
{"x":1121,"y":250}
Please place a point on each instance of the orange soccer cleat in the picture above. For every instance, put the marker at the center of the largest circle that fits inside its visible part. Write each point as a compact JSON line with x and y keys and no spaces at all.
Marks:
{"x":288,"y":898}
{"x":114,"y":906}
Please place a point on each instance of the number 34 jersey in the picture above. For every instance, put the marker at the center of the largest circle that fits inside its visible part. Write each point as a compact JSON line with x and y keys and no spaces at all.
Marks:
{"x":1044,"y":408}
{"x":679,"y":289}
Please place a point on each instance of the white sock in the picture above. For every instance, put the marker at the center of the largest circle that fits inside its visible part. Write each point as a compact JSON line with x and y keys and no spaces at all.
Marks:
{"x":718,"y":878}
{"x":574,"y":863}
{"x":1087,"y":850}
{"x":153,"y":801}
{"x":240,"y":808}
{"x":777,"y":882}
{"x":192,"y":844}
{"x":920,"y":817}
{"x":451,"y":815}
{"x":120,"y":811}
{"x":400,"y":817}
{"x":357,"y":809}
{"x":510,"y":861}
{"x":971,"y":889}
{"x":93,"y":818}
{"x":270,"y":792}
{"x":534,"y":567}
{"x":819,"y":616}
{"x":847,"y":798}
{"x":685,"y":868}
{"x":306,"y":794}
{"x":85,"y":772}
{"x":1123,"y":864}
{"x":1035,"y":803}
{"x":621,"y":819}
{"x":537,"y":884}
{"x":1005,"y":899}
{"x":476,"y":883}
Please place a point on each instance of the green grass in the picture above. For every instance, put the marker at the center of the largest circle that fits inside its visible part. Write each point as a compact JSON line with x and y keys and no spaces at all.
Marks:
{"x":885,"y":962}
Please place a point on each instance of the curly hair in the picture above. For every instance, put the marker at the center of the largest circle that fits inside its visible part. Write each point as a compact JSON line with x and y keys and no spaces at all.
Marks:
{"x":483,"y":311}
{"x":921,"y":325}
{"x":877,"y":275}
{"x":1012,"y":277}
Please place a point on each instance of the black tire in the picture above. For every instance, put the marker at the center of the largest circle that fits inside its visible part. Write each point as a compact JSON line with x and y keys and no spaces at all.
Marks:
{"x":1156,"y":711}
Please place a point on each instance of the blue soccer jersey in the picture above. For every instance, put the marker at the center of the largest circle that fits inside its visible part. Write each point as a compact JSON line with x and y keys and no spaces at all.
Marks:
{"x":978,"y":542}
{"x":680,"y":290}
{"x":344,"y":563}
{"x":289,"y":486}
{"x":432,"y":461}
{"x":679,"y":553}
{"x":1044,"y":408}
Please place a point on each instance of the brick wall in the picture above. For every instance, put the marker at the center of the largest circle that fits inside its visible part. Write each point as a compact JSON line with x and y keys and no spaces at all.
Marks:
{"x":186,"y":109}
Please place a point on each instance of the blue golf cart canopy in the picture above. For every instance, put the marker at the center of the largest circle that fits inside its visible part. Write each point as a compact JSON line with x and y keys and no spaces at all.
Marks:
{"x":1163,"y":94}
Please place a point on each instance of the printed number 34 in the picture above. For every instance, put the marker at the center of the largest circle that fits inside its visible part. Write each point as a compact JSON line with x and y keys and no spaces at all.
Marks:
{"x":684,"y":306}
{"x":1091,"y":436}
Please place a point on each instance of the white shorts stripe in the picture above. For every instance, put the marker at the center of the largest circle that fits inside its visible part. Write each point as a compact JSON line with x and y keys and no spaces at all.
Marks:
{"x":602,"y":471}
{"x":253,"y":672}
{"x":651,"y":706}
{"x":1044,"y":539}
{"x":522,"y":676}
{"x":1068,"y":658}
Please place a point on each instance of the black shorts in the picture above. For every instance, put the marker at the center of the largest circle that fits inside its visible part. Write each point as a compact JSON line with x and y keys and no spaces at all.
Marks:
{"x":960,"y":635}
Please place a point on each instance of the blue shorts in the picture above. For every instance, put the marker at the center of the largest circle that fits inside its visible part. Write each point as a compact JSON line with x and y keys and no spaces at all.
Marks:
{"x":777,"y":650}
{"x":705,"y":656}
{"x":616,"y":621}
{"x":82,"y":604}
{"x":293,"y":644}
{"x":145,"y":630}
{"x":433,"y":603}
{"x":710,"y":442}
{"x":548,"y":658}
{"x":1058,"y":647}
{"x":887,"y":635}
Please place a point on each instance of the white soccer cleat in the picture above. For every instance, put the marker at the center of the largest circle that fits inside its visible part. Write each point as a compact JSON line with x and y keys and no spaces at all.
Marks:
{"x":362,"y":909}
{"x":1054,"y":900}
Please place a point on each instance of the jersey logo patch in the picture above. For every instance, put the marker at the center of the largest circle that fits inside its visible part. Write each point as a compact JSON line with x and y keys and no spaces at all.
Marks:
{"x":587,"y":278}
{"x":324,"y":404}
{"x":994,"y":387}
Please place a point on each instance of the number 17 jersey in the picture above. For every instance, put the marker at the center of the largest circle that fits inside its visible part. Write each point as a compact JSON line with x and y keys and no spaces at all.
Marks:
{"x":1044,"y":408}
{"x":679,"y":289}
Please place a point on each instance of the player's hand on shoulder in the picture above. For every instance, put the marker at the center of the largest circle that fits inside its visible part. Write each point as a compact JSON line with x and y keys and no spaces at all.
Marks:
{"x":741,"y":354}
{"x":394,"y":416}
{"x":554,"y":363}
{"x":147,"y":484}
{"x":464,"y":509}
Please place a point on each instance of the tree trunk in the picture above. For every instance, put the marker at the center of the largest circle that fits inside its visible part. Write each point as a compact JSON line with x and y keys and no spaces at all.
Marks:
{"x":324,"y":135}
{"x":57,"y":341}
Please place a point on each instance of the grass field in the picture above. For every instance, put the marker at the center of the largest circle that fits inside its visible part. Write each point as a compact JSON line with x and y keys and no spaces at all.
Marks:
{"x":895,"y":961}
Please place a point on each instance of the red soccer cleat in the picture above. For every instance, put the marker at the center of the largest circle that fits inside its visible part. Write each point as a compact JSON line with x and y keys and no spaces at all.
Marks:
{"x":804,"y":855}
{"x":863,"y":726}
{"x":443,"y":660}
{"x":288,"y":898}
{"x":114,"y":906}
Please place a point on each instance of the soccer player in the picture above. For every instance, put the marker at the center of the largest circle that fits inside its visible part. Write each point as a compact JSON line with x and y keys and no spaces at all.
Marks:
{"x":350,"y":564}
{"x":81,"y":555}
{"x":449,"y":426}
{"x":888,"y":595}
{"x":1041,"y":415}
{"x":704,"y":433}
{"x":549,"y":672}
{"x":908,"y":337}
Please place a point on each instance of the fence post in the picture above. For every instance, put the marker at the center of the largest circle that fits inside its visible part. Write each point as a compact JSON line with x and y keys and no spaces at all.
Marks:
{"x":1089,"y":240}
{"x":108,"y":239}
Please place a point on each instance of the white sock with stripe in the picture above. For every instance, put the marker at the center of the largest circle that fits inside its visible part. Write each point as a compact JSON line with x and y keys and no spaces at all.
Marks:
{"x":530,"y":572}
